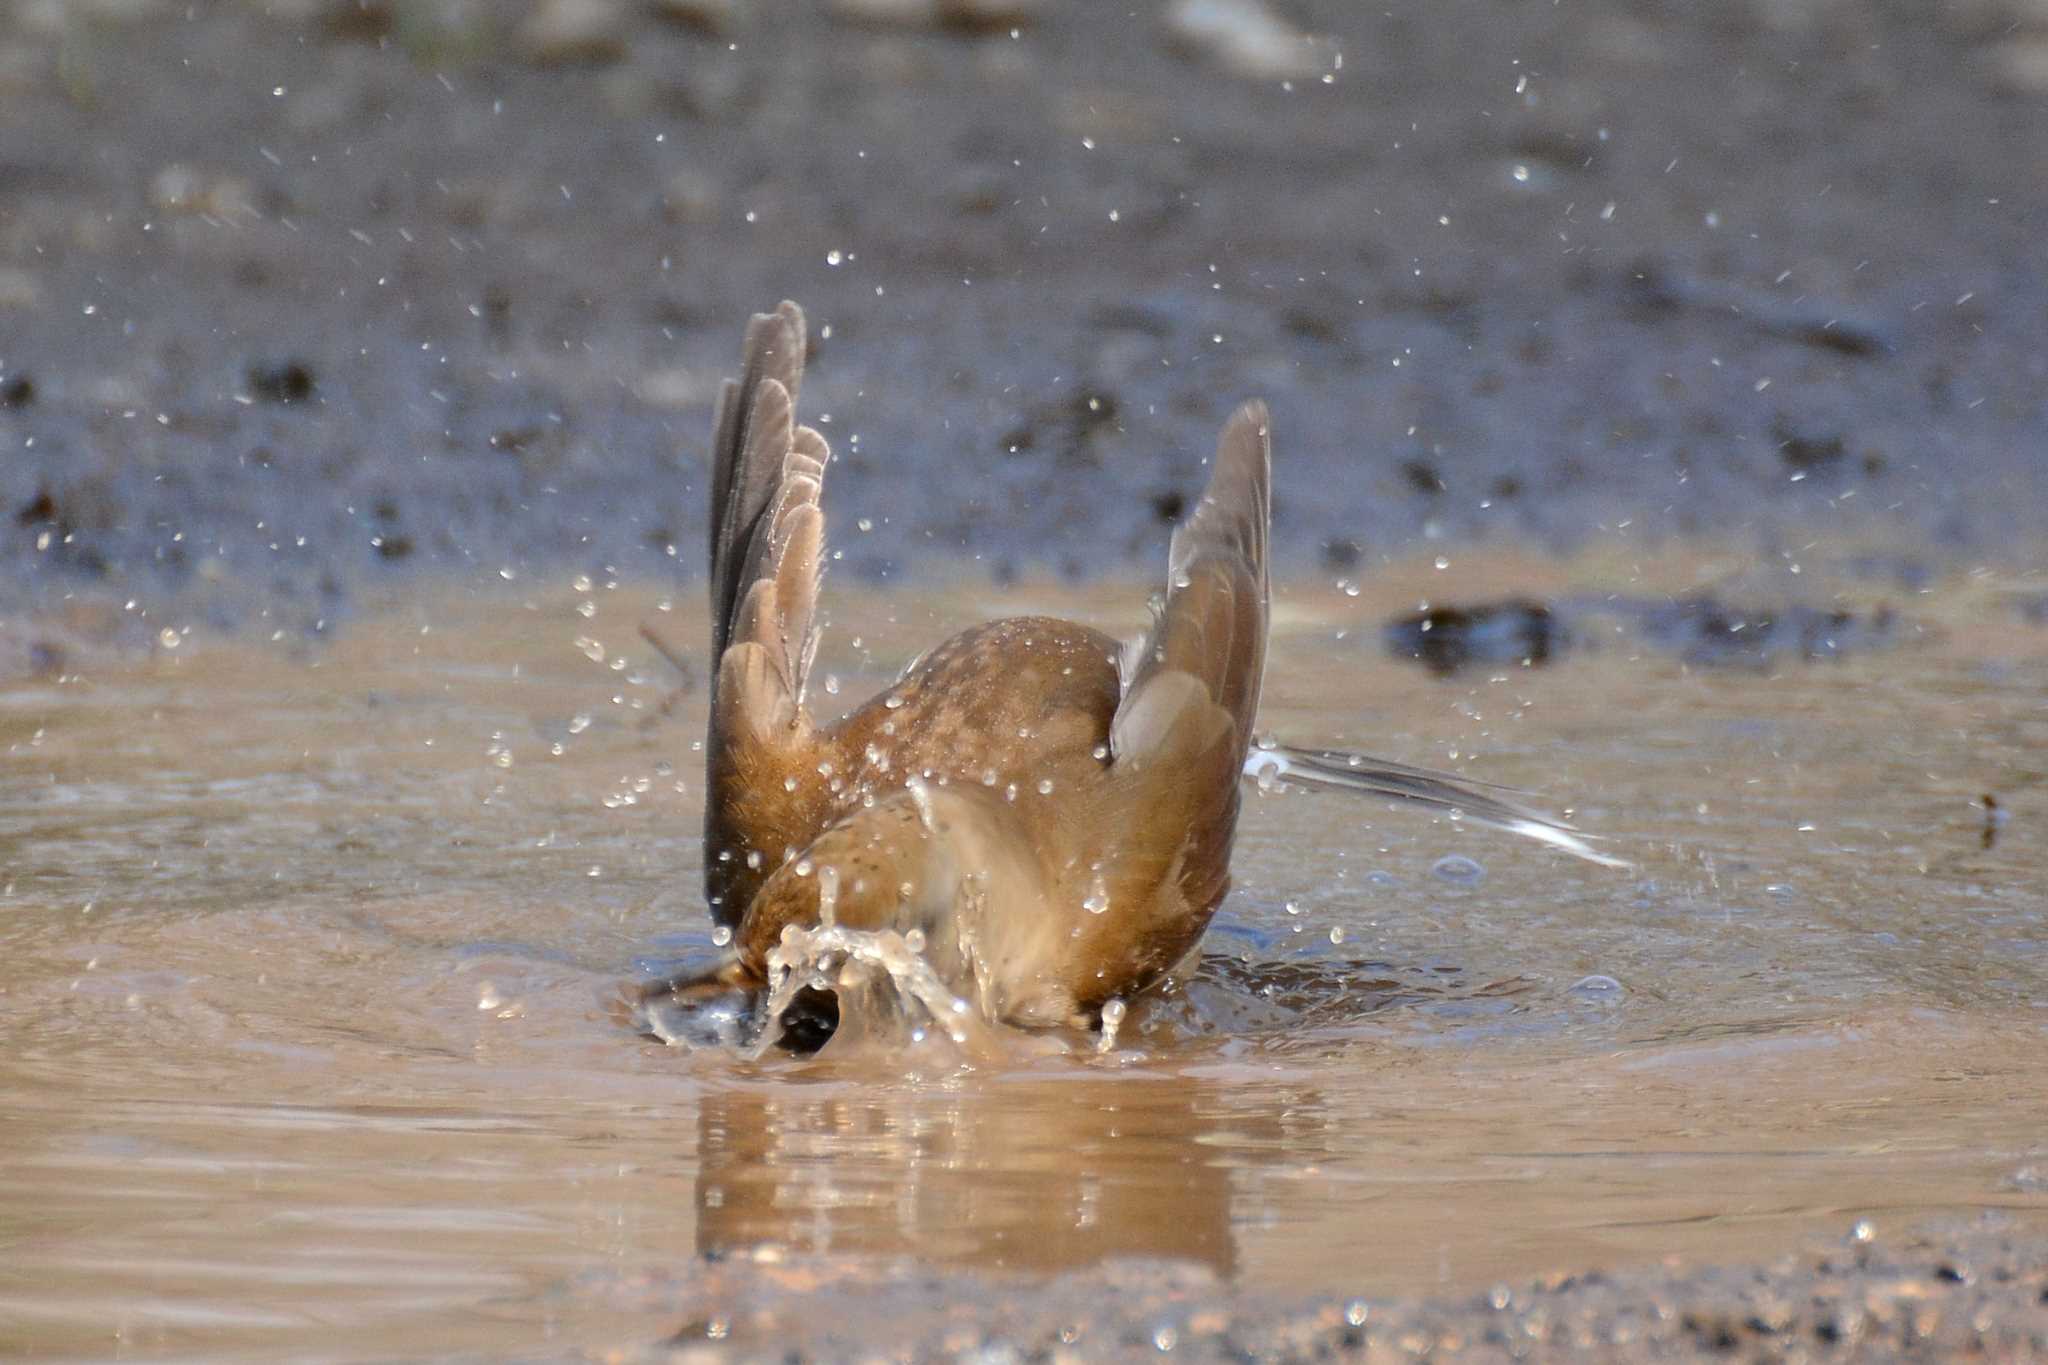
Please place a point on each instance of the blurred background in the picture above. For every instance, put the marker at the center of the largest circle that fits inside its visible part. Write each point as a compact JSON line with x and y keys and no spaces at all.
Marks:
{"x":302,"y":295}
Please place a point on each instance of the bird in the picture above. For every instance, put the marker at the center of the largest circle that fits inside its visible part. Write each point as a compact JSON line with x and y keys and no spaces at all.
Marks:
{"x":1043,"y":812}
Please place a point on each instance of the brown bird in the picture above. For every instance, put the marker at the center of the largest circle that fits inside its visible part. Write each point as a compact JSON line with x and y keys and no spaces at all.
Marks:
{"x":1045,"y":811}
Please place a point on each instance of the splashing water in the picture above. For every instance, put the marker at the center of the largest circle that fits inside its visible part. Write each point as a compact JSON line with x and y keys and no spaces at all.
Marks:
{"x":1113,"y":1011}
{"x":883,"y":984}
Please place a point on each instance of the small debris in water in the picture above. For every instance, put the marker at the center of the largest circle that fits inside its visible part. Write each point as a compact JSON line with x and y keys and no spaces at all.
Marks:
{"x":1995,"y":817}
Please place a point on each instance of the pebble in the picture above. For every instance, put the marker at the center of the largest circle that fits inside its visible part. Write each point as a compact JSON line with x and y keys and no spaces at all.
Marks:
{"x":1246,"y":39}
{"x":182,"y":189}
{"x":711,"y":16}
{"x":974,"y":15}
{"x":18,"y":288}
{"x":2019,"y":65}
{"x":573,"y":33}
{"x":690,"y":196}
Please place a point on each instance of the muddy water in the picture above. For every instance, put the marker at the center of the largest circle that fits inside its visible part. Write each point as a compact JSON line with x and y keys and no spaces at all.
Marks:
{"x":307,"y":1023}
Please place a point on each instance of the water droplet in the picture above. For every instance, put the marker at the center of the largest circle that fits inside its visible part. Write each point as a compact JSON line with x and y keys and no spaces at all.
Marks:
{"x":1458,"y":870}
{"x":892,"y":701}
{"x":721,"y":936}
{"x":1356,"y":1312}
{"x":1336,"y":933}
{"x":828,"y":895}
{"x":1521,"y":175}
{"x":1597,"y":990}
{"x":754,"y":859}
{"x":1113,"y":1011}
{"x":1045,"y":786}
{"x":579,"y":723}
{"x":834,"y":256}
{"x":914,"y":940}
{"x":832,"y":684}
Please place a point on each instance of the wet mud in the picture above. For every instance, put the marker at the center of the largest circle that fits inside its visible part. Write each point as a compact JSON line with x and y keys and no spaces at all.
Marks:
{"x":1980,"y":1294}
{"x":300,"y":296}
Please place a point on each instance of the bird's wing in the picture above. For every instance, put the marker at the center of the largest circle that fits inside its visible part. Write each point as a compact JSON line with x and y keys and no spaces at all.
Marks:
{"x":1211,"y":627}
{"x":767,"y":550}
{"x":1191,"y":686}
{"x":767,"y":533}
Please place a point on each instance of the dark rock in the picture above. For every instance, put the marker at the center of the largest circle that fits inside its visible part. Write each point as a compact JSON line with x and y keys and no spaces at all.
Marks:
{"x":1807,"y":450}
{"x":1342,"y":554}
{"x":289,"y":381}
{"x":1422,"y":476}
{"x":1446,"y":639}
{"x":1708,"y":632}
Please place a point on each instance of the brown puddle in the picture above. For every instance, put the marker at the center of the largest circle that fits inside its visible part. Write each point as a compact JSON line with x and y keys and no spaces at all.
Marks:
{"x":306,"y":1032}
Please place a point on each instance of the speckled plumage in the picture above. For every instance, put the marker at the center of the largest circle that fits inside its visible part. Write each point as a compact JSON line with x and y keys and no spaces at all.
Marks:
{"x":1053,"y":815}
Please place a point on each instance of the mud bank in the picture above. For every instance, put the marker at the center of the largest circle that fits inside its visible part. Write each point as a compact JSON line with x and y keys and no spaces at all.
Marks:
{"x":297,"y":297}
{"x":1970,"y":1295}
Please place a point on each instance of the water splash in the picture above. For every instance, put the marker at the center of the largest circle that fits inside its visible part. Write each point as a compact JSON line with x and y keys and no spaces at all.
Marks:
{"x":885,"y":988}
{"x":1113,"y":1012}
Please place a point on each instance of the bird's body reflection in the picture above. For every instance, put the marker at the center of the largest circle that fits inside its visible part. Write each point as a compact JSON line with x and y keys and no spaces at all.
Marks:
{"x":1041,"y":1175}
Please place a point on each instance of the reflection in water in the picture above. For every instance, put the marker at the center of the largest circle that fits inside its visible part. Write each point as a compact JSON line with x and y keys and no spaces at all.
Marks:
{"x":305,"y":1025}
{"x":1065,"y":1171}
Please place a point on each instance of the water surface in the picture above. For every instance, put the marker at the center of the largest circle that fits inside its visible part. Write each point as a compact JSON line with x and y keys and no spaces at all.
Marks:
{"x":312,"y":952}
